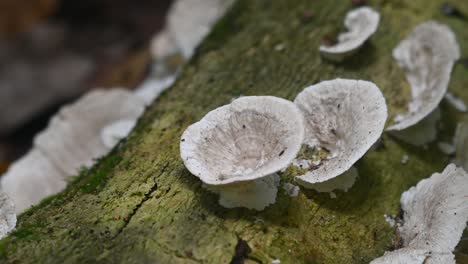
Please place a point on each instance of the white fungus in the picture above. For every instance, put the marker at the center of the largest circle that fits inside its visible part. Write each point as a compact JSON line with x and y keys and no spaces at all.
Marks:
{"x":342,"y":182}
{"x":73,"y":137}
{"x":237,"y":145}
{"x":152,"y":88}
{"x":456,"y":102}
{"x":113,"y":133}
{"x":361,"y":24}
{"x":7,"y":215}
{"x":78,"y":134}
{"x":344,"y":117}
{"x":30,"y":179}
{"x":435,"y":215}
{"x":423,"y":132}
{"x":446,"y":148}
{"x":189,"y":21}
{"x":427,"y":56}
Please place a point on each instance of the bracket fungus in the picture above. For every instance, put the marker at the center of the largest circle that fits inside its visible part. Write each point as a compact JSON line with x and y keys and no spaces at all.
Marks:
{"x":427,"y":56}
{"x":189,"y":21}
{"x":73,"y":137}
{"x":435,"y":215}
{"x":7,"y":215}
{"x":78,"y":134}
{"x":344,"y":118}
{"x":361,"y":23}
{"x":236,"y":149}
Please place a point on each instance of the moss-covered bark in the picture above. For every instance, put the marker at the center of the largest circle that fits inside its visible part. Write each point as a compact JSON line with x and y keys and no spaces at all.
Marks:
{"x":139,"y":204}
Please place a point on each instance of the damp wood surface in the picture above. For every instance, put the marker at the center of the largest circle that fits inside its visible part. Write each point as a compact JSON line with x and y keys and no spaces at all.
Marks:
{"x":140,"y":205}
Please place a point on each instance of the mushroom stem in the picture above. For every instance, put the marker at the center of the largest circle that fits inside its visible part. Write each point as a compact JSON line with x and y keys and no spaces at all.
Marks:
{"x":256,"y":194}
{"x":342,"y":182}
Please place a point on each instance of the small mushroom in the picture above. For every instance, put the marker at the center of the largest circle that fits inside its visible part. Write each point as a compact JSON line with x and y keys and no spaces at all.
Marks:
{"x":344,"y":118}
{"x":7,"y":215}
{"x":435,"y":215}
{"x":236,"y":149}
{"x":361,"y":23}
{"x":152,"y":88}
{"x":427,"y":56}
{"x":73,"y":137}
{"x":113,"y":133}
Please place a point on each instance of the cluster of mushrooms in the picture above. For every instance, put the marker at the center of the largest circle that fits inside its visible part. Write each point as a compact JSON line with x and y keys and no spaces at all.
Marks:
{"x":237,"y":150}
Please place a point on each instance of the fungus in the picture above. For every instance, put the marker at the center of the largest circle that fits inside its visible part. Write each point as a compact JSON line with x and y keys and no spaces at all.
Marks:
{"x":456,"y":102}
{"x":73,"y":137}
{"x":113,"y":133}
{"x":78,"y":134}
{"x":361,"y":23}
{"x":344,"y":118}
{"x":404,"y":256}
{"x":152,"y":88}
{"x":7,"y":215}
{"x":30,"y":179}
{"x":236,"y":149}
{"x":435,"y":215}
{"x":189,"y":21}
{"x":423,"y":132}
{"x":427,"y":56}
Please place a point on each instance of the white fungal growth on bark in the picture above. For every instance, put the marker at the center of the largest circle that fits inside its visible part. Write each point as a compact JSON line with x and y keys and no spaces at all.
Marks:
{"x":189,"y":21}
{"x":235,"y":145}
{"x":345,"y":117}
{"x":30,"y":179}
{"x":427,"y":56}
{"x":435,"y":215}
{"x":7,"y":215}
{"x":361,"y":24}
{"x":73,"y":137}
{"x":78,"y":134}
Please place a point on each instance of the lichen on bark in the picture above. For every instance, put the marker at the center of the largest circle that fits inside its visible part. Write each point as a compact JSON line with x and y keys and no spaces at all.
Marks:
{"x":139,"y":204}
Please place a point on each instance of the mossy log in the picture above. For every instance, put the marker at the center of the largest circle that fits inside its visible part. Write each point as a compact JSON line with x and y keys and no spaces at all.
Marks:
{"x":139,"y":204}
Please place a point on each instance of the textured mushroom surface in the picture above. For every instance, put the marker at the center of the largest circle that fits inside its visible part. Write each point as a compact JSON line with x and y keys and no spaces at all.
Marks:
{"x":7,"y":215}
{"x":73,"y":137}
{"x":361,"y":23}
{"x":435,"y":215}
{"x":236,"y":149}
{"x":436,"y":211}
{"x":427,"y":56}
{"x":403,"y":256}
{"x":344,"y":117}
{"x":248,"y":139}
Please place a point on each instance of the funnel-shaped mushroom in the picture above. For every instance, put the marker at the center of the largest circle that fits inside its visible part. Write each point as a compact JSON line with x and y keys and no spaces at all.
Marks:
{"x":427,"y":56}
{"x":361,"y":24}
{"x":343,"y":117}
{"x":234,"y":146}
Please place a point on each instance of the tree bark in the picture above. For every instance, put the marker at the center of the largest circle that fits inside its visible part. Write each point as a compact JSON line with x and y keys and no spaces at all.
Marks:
{"x":140,"y":205}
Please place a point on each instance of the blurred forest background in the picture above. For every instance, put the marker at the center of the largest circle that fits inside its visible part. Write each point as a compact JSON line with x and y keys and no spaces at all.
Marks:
{"x":52,"y":51}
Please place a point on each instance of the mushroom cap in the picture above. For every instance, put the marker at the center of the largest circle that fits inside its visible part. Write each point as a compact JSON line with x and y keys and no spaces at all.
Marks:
{"x":7,"y":215}
{"x":436,"y":211}
{"x":344,"y":116}
{"x":427,"y":56}
{"x":113,"y":133}
{"x":250,"y":138}
{"x":361,"y":23}
{"x":73,"y":137}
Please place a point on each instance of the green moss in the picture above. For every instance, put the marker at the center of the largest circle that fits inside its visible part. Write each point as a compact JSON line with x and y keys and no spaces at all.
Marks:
{"x":139,"y":204}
